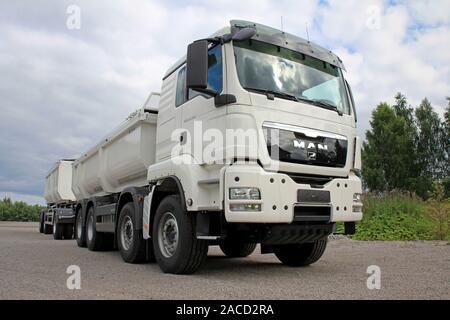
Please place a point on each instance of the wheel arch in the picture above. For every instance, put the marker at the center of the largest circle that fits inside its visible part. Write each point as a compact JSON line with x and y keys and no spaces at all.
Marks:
{"x":164,"y":187}
{"x":136,"y":196}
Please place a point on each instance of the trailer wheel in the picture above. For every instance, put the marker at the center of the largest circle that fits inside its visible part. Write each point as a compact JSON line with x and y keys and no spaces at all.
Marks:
{"x":80,"y":234}
{"x":41,"y":222}
{"x":236,"y":249}
{"x":68,"y":231}
{"x":301,"y":254}
{"x":48,"y":228}
{"x":95,"y":241}
{"x":57,"y":231}
{"x":177,"y":250}
{"x":132,"y":245}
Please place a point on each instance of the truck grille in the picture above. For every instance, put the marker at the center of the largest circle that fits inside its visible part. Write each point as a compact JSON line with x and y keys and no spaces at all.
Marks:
{"x":305,"y":146}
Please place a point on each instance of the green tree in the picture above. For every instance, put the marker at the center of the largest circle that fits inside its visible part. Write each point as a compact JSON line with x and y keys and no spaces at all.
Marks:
{"x":406,"y":148}
{"x":430,"y":146}
{"x":388,"y":151}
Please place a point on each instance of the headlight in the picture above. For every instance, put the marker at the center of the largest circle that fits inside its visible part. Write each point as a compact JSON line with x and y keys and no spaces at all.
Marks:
{"x":252,"y":207}
{"x":244,"y":194}
{"x":357,"y":197}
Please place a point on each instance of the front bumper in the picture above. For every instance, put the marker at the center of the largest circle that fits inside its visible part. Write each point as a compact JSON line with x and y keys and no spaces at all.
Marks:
{"x":279,"y":196}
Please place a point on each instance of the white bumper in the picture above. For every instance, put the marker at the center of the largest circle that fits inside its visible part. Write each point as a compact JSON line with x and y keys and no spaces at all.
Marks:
{"x":279,"y":195}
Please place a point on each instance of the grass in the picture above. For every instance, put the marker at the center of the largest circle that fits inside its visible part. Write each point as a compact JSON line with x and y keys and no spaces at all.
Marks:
{"x":398,"y":217}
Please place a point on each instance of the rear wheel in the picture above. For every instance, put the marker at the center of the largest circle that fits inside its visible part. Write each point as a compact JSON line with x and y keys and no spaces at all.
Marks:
{"x":41,"y":222}
{"x":301,"y":254}
{"x":132,"y":245}
{"x":57,"y":230}
{"x":80,"y":231}
{"x":95,"y":240}
{"x":177,"y":250}
{"x":235,"y":249}
{"x":48,"y":229}
{"x":68,"y":231}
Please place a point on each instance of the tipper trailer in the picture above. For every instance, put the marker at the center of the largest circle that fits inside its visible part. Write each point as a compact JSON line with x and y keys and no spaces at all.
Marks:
{"x":253,"y":141}
{"x":58,"y":217}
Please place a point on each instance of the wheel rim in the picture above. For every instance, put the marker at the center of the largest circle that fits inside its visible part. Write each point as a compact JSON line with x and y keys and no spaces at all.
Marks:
{"x":90,"y":231}
{"x":168,"y":234}
{"x":126,"y":233}
{"x":79,"y":228}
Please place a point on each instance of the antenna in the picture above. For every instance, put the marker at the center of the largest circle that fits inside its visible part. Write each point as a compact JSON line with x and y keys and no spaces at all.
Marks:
{"x":307,"y":33}
{"x":282,"y":27}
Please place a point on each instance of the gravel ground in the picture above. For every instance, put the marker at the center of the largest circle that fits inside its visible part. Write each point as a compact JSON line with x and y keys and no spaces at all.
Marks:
{"x":33,"y":266}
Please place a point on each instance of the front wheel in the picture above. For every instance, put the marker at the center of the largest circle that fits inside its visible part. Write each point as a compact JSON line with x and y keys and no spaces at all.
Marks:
{"x":236,"y":249}
{"x":176,"y":247}
{"x":301,"y":254}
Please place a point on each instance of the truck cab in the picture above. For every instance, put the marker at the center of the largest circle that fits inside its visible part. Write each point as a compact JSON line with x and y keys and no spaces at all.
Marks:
{"x":256,"y":139}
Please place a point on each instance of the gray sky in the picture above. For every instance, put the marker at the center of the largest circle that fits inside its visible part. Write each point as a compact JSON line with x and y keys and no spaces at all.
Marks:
{"x":63,"y":89}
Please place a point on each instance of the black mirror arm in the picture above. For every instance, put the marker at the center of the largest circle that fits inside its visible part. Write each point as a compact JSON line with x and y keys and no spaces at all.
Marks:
{"x":224,"y":99}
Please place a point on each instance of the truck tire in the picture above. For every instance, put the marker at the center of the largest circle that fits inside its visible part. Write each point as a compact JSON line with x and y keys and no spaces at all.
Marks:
{"x":236,"y":249}
{"x":41,"y":222}
{"x":95,"y":241}
{"x":176,"y":247}
{"x":68,"y":231}
{"x":132,"y":245}
{"x":80,"y":231}
{"x":57,"y":231}
{"x":48,"y":228}
{"x":301,"y":254}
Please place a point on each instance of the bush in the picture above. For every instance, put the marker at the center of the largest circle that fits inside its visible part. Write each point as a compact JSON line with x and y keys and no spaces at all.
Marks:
{"x":18,"y":211}
{"x":396,"y":216}
{"x":438,"y":209}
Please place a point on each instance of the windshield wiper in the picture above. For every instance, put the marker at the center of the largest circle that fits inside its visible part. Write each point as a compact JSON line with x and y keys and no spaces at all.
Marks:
{"x":273,"y":93}
{"x":321,"y":104}
{"x":316,"y":102}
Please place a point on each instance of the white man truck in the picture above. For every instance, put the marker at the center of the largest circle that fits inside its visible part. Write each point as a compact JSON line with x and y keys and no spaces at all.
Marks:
{"x":253,"y":141}
{"x":58,"y":218}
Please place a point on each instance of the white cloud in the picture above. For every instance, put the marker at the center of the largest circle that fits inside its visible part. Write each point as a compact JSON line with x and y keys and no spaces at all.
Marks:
{"x":62,"y":90}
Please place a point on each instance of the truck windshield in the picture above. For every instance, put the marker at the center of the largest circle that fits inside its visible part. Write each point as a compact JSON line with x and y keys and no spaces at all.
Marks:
{"x":264,"y":67}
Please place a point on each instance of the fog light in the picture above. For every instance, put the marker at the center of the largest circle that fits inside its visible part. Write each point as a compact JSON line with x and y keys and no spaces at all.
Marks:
{"x":245,"y":194}
{"x":357,"y":209}
{"x":357,"y":197}
{"x":249,"y":207}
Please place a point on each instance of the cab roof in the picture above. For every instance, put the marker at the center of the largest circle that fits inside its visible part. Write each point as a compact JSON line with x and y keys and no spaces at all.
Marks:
{"x":276,"y":37}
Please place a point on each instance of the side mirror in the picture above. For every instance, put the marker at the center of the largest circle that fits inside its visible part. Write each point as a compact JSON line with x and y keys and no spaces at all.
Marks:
{"x":197,"y":65}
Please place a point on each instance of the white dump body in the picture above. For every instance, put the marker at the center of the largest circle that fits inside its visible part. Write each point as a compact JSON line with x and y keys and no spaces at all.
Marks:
{"x":119,"y":161}
{"x":58,"y":183}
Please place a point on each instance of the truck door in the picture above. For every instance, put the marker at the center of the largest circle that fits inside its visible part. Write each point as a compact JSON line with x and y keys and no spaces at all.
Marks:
{"x":199,"y":116}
